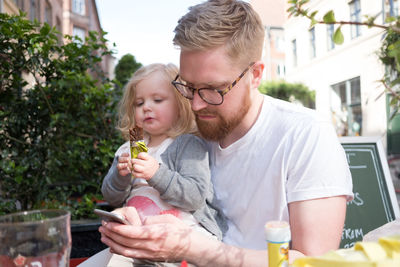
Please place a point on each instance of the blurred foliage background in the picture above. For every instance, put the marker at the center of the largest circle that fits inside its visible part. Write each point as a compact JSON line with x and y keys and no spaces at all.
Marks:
{"x":57,"y":116}
{"x":292,"y":92}
{"x":126,"y":66}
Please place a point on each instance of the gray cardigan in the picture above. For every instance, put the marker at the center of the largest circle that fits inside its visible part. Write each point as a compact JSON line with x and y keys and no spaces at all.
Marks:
{"x":183,"y":180}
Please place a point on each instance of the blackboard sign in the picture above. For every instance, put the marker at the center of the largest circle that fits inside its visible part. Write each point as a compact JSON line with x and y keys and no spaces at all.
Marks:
{"x":374,"y":202}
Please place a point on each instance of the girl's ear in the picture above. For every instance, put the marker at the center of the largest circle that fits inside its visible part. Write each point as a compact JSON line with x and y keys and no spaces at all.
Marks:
{"x":257,"y":72}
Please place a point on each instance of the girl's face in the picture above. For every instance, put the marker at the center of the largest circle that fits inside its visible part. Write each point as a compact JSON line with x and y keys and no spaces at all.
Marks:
{"x":156,"y":107}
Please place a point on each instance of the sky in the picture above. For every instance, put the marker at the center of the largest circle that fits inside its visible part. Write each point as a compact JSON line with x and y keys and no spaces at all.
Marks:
{"x":143,"y":28}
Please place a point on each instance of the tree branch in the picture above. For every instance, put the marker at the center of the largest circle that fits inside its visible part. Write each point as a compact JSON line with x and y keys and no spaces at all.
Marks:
{"x":14,"y":139}
{"x":388,"y":88}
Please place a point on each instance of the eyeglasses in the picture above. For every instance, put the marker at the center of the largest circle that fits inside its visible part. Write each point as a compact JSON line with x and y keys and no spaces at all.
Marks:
{"x":211,"y":96}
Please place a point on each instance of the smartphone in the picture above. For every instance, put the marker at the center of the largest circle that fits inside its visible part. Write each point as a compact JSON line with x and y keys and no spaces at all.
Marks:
{"x":111,"y":217}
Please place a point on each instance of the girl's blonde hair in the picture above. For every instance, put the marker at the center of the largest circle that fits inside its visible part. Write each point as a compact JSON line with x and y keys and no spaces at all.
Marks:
{"x":126,"y":116}
{"x":230,"y":23}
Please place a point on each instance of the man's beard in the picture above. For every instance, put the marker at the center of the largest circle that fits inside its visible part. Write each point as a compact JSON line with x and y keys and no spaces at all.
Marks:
{"x":221,"y":127}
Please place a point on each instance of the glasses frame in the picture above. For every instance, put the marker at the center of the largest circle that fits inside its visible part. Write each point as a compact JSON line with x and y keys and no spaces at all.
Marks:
{"x":222,"y":92}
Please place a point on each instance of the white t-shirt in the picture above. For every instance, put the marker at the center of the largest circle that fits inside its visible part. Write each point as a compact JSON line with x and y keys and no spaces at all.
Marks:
{"x":288,"y":155}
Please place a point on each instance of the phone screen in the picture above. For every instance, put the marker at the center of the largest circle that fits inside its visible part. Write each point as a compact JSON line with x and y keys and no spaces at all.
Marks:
{"x":109,"y":216}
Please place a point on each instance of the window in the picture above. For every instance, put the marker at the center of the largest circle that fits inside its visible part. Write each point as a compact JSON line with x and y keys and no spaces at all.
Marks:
{"x":391,"y":8}
{"x":279,"y":44}
{"x":294,"y":52}
{"x":355,"y":16}
{"x":78,"y":7}
{"x":330,"y":29}
{"x":20,"y":4}
{"x":393,"y":130}
{"x":311,"y":33}
{"x":48,"y":14}
{"x":346,"y":107}
{"x":79,"y":32}
{"x":280,"y":70}
{"x":59,"y":28}
{"x":34,"y":10}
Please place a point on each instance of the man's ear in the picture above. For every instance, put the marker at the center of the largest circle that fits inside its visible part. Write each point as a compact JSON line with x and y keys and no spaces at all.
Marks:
{"x":257,"y":72}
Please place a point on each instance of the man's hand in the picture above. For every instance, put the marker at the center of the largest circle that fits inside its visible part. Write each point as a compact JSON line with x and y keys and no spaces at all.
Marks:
{"x":167,"y":238}
{"x":144,"y":166}
{"x":160,"y":238}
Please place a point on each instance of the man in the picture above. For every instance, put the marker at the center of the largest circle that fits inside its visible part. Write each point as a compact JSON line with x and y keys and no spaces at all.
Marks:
{"x":270,"y":160}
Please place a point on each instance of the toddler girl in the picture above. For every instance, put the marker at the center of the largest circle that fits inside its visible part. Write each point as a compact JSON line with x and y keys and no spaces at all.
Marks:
{"x":174,"y":176}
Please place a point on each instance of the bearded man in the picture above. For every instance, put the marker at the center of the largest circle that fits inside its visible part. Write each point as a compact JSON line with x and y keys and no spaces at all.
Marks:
{"x":270,"y":160}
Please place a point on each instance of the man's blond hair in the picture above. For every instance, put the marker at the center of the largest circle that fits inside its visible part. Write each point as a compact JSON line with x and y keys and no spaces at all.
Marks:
{"x":230,"y":23}
{"x":126,"y":120}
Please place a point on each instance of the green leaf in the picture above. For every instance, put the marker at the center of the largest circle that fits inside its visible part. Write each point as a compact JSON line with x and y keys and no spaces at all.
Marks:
{"x":338,"y":36}
{"x":394,"y":82}
{"x":329,"y":17}
{"x":291,"y":9}
{"x":390,"y":19}
{"x":313,"y":23}
{"x":302,"y":2}
{"x":312,"y":15}
{"x":394,"y":101}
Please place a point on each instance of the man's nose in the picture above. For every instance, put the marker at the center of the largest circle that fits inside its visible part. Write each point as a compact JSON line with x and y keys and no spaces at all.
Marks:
{"x":197,"y":102}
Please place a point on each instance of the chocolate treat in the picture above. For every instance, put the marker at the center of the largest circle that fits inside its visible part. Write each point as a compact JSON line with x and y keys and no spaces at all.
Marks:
{"x":137,"y":143}
{"x":135,"y":134}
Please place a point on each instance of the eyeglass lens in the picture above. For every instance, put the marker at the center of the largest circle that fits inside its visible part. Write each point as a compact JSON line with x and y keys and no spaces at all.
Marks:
{"x":211,"y":96}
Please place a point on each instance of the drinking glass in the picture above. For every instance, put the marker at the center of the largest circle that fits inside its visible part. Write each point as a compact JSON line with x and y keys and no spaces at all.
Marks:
{"x":38,"y":238}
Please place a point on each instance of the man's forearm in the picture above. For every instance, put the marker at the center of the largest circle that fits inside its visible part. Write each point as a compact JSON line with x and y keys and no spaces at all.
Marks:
{"x":205,"y":251}
{"x":211,"y":252}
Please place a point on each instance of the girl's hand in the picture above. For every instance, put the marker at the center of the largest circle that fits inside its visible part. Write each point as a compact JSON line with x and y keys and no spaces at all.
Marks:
{"x":124,"y":165}
{"x":144,"y":166}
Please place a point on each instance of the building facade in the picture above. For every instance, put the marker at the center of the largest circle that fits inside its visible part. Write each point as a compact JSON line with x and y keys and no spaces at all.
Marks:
{"x":272,"y":13}
{"x":80,"y":17}
{"x":345,"y":77}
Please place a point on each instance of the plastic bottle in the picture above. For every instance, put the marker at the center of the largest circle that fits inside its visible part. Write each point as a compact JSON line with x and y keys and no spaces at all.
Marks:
{"x":277,"y":234}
